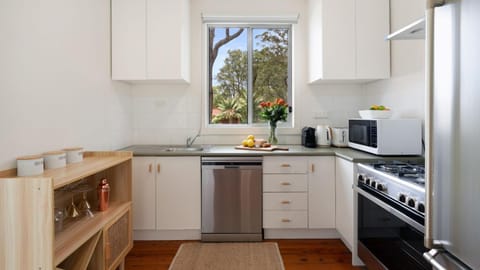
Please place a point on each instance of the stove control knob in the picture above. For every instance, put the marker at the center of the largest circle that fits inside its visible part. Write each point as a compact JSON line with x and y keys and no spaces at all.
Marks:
{"x":411,"y":202}
{"x":420,"y":207}
{"x":402,"y":197}
{"x":381,"y":186}
{"x":373,"y":183}
{"x":361,"y":177}
{"x":367,"y":180}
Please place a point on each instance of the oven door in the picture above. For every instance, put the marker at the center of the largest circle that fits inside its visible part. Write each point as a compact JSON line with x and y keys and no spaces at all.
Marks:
{"x":387,"y":237}
{"x":363,"y":132}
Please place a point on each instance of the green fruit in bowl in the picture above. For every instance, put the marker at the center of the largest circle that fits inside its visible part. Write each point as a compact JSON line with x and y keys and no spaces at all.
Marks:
{"x":379,"y":108}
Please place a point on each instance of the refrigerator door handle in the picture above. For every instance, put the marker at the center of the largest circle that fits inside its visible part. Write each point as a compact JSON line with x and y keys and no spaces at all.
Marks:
{"x":442,"y":260}
{"x":430,"y":257}
{"x":429,"y":86}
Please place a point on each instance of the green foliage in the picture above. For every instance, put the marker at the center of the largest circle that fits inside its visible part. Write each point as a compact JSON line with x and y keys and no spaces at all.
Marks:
{"x":270,"y":78}
{"x":233,"y":110}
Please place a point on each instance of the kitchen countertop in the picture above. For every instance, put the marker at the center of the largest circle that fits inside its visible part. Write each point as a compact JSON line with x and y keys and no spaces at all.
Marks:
{"x":294,"y":150}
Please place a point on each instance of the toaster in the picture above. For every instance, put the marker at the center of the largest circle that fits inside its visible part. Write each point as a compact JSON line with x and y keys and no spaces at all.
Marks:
{"x":308,"y":137}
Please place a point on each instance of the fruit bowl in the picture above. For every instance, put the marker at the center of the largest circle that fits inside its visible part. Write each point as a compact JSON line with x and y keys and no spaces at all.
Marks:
{"x":375,"y":114}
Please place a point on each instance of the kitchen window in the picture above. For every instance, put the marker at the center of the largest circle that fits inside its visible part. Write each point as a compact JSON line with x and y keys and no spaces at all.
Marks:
{"x":247,"y":64}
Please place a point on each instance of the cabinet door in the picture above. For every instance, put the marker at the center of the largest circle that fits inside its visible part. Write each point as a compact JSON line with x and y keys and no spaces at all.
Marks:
{"x":346,"y":40}
{"x":178,"y":193}
{"x":344,"y":173}
{"x":128,"y":40}
{"x":144,"y":193}
{"x":167,"y":40}
{"x":321,"y":193}
{"x":372,"y":26}
{"x":118,"y":241}
{"x":331,"y":39}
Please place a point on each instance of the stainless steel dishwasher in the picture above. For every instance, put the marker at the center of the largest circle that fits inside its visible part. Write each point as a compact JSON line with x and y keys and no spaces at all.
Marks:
{"x":231,"y":199}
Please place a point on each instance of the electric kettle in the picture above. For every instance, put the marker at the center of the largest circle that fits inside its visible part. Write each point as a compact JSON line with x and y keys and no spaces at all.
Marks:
{"x":324,"y":136}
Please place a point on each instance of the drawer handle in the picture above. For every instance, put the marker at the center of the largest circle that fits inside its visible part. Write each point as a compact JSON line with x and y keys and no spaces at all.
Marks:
{"x":286,"y":220}
{"x":158,"y":168}
{"x":285,"y":183}
{"x":150,"y":168}
{"x":285,"y":165}
{"x":286,"y":202}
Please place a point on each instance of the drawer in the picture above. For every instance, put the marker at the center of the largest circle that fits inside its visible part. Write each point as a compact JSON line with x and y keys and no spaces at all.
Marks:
{"x":284,"y":219}
{"x":285,"y":201}
{"x":285,"y":183}
{"x":285,"y":165}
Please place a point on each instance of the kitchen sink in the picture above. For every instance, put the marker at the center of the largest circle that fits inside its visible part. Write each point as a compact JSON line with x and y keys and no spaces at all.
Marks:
{"x":183,"y":148}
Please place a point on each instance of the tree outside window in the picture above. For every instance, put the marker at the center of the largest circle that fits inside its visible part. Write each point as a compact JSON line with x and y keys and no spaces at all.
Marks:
{"x":247,"y":65}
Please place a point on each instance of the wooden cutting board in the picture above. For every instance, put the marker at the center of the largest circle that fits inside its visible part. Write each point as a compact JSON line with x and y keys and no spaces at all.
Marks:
{"x":271,"y":148}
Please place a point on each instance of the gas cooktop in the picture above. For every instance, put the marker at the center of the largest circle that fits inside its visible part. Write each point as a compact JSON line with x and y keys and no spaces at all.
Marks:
{"x":401,"y":181}
{"x":406,"y":171}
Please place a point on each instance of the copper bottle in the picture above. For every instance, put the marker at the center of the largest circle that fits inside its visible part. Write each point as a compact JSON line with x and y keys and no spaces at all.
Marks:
{"x":103,"y":191}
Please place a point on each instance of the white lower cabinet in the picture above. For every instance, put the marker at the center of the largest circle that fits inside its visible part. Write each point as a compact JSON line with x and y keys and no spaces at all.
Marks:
{"x":281,"y":219}
{"x":321,"y":192}
{"x":166,"y":193}
{"x":344,"y":172}
{"x":299,"y":192}
{"x":143,"y":189}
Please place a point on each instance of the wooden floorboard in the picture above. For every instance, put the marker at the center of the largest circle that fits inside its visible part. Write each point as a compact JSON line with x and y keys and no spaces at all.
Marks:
{"x":296,"y":254}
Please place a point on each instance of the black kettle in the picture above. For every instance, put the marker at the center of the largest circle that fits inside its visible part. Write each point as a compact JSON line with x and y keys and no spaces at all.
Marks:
{"x":308,"y":137}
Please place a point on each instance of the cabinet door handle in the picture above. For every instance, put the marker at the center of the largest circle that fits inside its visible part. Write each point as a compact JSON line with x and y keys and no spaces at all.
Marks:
{"x":150,"y":168}
{"x":285,"y":220}
{"x":158,"y":168}
{"x":313,"y":167}
{"x":285,"y":165}
{"x":286,"y":202}
{"x":285,"y":183}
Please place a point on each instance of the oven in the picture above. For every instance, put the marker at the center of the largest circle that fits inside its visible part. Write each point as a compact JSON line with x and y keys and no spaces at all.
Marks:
{"x":390,"y":231}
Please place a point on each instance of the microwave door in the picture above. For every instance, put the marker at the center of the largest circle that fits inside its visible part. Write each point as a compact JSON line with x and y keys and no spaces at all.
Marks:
{"x":359,"y":134}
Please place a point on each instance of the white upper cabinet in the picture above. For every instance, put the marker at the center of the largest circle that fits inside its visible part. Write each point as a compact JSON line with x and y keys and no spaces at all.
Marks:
{"x":151,"y":40}
{"x":347,"y":40}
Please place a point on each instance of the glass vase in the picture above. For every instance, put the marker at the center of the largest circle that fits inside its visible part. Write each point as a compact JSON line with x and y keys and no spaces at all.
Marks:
{"x":272,"y":137}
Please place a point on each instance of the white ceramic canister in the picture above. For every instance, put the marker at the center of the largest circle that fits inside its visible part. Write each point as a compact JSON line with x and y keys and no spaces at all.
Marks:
{"x":55,"y":159}
{"x":30,"y":165}
{"x":74,"y":155}
{"x":324,"y":136}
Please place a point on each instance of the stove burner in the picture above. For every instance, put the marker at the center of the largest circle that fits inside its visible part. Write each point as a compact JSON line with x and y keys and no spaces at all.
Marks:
{"x":407,"y":171}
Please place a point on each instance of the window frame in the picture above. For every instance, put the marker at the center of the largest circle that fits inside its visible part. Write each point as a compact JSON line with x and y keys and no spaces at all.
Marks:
{"x":219,"y":127}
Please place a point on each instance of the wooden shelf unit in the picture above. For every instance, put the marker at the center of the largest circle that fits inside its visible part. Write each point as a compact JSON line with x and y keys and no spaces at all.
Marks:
{"x":27,"y":236}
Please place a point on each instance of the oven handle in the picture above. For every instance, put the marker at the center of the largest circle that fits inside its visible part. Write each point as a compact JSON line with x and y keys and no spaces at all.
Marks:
{"x":391,"y":210}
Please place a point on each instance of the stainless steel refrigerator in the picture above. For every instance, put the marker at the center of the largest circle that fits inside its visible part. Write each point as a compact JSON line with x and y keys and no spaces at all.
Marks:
{"x":452,"y":134}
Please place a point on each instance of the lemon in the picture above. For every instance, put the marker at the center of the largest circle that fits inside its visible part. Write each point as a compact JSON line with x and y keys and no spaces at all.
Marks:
{"x":251,"y":137}
{"x":245,"y":143}
{"x":250,"y":143}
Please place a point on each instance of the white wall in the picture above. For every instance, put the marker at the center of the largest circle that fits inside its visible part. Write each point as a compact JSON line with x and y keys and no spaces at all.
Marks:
{"x":55,"y":87}
{"x":404,"y":91}
{"x":169,"y":114}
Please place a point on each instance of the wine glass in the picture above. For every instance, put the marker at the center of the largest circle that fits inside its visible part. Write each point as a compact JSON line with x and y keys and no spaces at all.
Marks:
{"x":84,"y":205}
{"x":72,"y":210}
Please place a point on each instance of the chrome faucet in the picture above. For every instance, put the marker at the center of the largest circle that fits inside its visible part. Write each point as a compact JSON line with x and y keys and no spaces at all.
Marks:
{"x":190,"y":140}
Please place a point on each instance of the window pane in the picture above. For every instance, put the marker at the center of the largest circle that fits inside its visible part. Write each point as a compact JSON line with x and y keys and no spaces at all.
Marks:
{"x":228,"y":73}
{"x":270,"y":67}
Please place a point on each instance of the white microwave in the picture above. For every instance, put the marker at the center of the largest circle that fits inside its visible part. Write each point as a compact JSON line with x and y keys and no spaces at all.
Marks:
{"x":389,"y":137}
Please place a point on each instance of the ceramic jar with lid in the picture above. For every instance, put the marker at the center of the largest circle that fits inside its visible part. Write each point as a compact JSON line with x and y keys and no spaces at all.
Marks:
{"x":74,"y":154}
{"x":30,"y":165}
{"x":55,"y":159}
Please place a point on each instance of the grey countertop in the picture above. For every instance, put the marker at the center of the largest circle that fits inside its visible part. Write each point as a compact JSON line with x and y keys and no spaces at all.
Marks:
{"x":293,"y":150}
